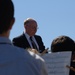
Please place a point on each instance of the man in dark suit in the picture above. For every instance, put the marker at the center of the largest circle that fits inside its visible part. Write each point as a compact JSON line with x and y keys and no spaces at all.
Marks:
{"x":24,"y":40}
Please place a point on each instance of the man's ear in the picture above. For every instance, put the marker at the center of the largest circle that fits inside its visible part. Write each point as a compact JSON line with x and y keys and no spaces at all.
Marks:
{"x":11,"y":23}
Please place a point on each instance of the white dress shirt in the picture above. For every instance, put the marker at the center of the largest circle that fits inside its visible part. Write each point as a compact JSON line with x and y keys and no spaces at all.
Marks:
{"x":33,"y":38}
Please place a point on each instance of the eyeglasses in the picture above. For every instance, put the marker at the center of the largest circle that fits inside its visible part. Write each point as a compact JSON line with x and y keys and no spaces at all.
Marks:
{"x":33,"y":27}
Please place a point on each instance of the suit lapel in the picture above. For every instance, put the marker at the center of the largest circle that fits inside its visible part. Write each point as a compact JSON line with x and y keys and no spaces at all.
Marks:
{"x":25,"y":41}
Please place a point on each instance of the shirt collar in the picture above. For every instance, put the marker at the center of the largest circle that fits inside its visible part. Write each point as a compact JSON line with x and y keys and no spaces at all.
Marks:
{"x":27,"y":35}
{"x":4,"y":40}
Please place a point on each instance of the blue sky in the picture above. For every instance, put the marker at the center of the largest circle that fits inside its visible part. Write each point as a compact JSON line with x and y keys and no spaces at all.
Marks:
{"x":54,"y":18}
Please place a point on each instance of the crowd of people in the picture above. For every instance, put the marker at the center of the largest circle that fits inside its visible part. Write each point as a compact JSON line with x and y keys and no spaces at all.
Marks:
{"x":15,"y":58}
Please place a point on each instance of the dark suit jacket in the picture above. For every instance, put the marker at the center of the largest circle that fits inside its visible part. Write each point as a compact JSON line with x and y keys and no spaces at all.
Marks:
{"x":21,"y":41}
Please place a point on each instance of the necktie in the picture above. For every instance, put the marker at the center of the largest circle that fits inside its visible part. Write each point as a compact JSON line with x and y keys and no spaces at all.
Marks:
{"x":33,"y":43}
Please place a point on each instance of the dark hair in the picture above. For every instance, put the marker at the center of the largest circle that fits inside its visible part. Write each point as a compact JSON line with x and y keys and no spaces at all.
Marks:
{"x":62,"y":43}
{"x":6,"y":14}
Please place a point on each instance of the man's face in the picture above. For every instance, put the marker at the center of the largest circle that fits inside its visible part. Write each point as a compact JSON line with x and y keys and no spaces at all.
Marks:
{"x":31,"y":28}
